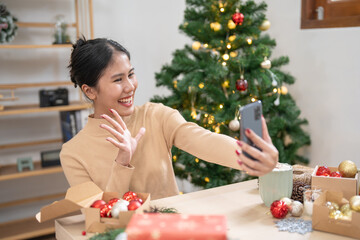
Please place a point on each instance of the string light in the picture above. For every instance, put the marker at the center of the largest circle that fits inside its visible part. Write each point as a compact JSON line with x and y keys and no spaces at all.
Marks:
{"x":232,"y":38}
{"x":228,"y":46}
{"x":284,"y":90}
{"x":225,"y":84}
{"x":253,"y":99}
{"x":175,"y":83}
{"x":249,"y":40}
{"x":224,"y":63}
{"x":201,"y":85}
{"x":211,"y":119}
{"x":222,"y":9}
{"x":174,"y":158}
{"x":233,"y":54}
{"x":196,"y":160}
{"x":217,"y":129}
{"x":226,"y":56}
{"x":221,"y":106}
{"x":205,"y":45}
{"x":206,"y":115}
{"x":275,"y":90}
{"x":207,"y":179}
{"x":193,"y":114}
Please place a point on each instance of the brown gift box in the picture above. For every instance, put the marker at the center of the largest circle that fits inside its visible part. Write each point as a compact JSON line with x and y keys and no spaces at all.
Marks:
{"x":346,"y":185}
{"x":81,"y":197}
{"x":322,"y":221}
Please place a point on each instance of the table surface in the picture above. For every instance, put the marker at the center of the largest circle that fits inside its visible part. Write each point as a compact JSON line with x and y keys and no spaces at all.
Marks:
{"x":247,"y":216}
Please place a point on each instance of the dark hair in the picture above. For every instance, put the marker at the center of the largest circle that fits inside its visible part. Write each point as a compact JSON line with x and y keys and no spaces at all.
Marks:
{"x":89,"y":59}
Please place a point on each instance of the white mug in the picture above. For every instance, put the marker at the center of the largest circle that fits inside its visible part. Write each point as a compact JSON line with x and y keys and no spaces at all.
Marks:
{"x":276,"y":184}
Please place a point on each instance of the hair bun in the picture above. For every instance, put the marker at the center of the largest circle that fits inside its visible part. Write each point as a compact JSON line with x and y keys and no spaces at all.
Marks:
{"x":80,"y":42}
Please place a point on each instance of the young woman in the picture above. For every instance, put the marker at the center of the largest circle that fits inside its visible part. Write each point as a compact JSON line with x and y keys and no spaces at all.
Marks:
{"x":123,"y":147}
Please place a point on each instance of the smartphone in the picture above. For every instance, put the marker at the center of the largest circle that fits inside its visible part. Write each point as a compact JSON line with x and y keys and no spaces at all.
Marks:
{"x":250,"y":117}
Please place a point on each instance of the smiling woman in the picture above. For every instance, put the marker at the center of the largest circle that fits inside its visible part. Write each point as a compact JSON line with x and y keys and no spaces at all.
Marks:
{"x":105,"y":151}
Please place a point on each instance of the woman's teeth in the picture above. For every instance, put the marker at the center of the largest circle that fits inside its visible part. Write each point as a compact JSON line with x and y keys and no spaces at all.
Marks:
{"x":126,"y":100}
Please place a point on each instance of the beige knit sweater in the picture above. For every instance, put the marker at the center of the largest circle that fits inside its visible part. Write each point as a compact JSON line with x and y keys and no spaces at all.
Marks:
{"x":89,"y":157}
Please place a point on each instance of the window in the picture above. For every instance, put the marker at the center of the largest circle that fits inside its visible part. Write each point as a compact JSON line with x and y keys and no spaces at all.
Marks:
{"x":330,"y":13}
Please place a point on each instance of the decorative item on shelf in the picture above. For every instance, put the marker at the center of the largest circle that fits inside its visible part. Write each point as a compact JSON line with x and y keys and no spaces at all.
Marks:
{"x":25,"y":163}
{"x":54,"y":97}
{"x":60,"y":35}
{"x":8,"y":27}
{"x":50,"y":158}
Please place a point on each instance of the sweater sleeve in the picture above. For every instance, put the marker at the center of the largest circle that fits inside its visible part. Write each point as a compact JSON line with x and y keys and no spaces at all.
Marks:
{"x":119,"y":179}
{"x":200,"y":142}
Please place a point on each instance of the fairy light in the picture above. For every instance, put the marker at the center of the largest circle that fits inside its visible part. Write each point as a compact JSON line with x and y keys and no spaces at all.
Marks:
{"x":253,"y":99}
{"x":201,"y":85}
{"x":217,"y":129}
{"x":175,"y":83}
{"x":233,"y":91}
{"x":224,"y":63}
{"x":233,"y":54}
{"x":196,"y":160}
{"x":221,"y":106}
{"x":222,"y":10}
{"x":174,"y":158}
{"x":228,"y":46}
{"x":211,"y":119}
{"x":225,"y":84}
{"x":193,"y":114}
{"x":226,"y":56}
{"x":249,"y":40}
{"x":275,"y":90}
{"x":284,"y":90}
{"x":205,"y":45}
{"x":207,"y":179}
{"x":232,"y":38}
{"x":206,"y":115}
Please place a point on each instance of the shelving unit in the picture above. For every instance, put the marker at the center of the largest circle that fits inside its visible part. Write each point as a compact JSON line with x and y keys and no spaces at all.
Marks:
{"x":29,"y":227}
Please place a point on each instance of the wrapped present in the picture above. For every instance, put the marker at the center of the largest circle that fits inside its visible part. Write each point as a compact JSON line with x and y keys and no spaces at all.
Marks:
{"x":176,"y":226}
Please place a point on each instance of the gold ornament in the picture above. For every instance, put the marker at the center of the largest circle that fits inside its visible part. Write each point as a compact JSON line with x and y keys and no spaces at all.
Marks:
{"x":284,"y":90}
{"x":196,"y":45}
{"x":231,"y":24}
{"x":234,"y":125}
{"x":355,"y":203}
{"x":332,"y":206}
{"x":345,"y":207}
{"x":347,"y":169}
{"x":265,"y":25}
{"x":232,"y":38}
{"x":335,"y":214}
{"x":266,"y":64}
{"x":215,"y":26}
{"x":233,"y":54}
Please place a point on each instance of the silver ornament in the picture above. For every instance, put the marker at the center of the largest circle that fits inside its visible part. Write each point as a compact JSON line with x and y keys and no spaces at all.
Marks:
{"x":234,"y":125}
{"x":120,"y":206}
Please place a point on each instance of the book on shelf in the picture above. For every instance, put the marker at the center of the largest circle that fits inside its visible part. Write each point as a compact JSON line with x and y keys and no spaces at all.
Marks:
{"x":72,"y":122}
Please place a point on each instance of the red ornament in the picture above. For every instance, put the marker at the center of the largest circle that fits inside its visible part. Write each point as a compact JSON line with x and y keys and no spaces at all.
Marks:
{"x":105,"y":211}
{"x":128,"y":196}
{"x":335,"y":174}
{"x":112,"y":201}
{"x":139,"y":200}
{"x":241,"y":85}
{"x":133,"y":205}
{"x":279,"y":209}
{"x":238,"y":18}
{"x":323,"y":171}
{"x":98,"y":204}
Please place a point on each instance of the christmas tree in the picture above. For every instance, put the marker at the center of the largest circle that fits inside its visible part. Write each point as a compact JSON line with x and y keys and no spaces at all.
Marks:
{"x":228,"y":66}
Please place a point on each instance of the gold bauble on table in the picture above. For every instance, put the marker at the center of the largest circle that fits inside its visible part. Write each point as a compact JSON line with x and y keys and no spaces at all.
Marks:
{"x":265,"y":25}
{"x":355,"y":203}
{"x":347,"y":169}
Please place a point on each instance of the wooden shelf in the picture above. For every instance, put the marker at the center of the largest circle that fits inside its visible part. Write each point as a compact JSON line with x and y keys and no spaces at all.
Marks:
{"x":34,"y":108}
{"x":36,"y":46}
{"x":31,"y":143}
{"x":31,"y":85}
{"x":25,"y":228}
{"x":9,"y":172}
{"x":41,"y":24}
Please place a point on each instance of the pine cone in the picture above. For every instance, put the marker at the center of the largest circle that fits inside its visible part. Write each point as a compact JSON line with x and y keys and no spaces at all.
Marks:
{"x":298,"y":191}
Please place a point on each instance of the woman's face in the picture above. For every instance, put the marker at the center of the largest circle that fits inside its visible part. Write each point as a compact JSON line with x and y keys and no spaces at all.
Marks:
{"x":116,"y":87}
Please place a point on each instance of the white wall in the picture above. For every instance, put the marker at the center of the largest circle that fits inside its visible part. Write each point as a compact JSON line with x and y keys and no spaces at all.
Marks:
{"x":323,"y":61}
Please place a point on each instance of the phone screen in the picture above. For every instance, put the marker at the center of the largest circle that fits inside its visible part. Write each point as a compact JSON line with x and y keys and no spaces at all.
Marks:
{"x":251,"y":118}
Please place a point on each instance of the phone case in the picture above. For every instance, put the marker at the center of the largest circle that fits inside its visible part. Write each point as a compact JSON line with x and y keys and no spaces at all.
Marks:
{"x":251,"y":118}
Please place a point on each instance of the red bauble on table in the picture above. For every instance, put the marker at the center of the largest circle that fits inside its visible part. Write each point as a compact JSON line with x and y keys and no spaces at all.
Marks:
{"x":98,"y":204}
{"x":128,"y":196}
{"x":323,"y":171}
{"x":241,"y":85}
{"x":279,"y":209}
{"x":133,"y":205}
{"x":139,"y":200}
{"x":238,"y":18}
{"x":336,"y":174}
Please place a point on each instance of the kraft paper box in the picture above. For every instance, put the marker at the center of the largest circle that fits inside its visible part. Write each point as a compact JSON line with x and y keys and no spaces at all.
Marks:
{"x":349,"y":186}
{"x":80,"y":197}
{"x":176,"y":226}
{"x":321,"y":220}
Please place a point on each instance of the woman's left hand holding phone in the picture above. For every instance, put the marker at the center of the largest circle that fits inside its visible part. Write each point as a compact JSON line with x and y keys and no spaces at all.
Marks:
{"x":122,"y":137}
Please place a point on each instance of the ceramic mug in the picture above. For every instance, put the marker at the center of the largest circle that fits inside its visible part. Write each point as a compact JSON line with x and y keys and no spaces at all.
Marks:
{"x":276,"y":184}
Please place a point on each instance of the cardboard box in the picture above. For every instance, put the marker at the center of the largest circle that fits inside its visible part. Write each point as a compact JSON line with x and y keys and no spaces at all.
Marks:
{"x":176,"y":227}
{"x":349,"y":186}
{"x":81,"y":197}
{"x":322,"y":222}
